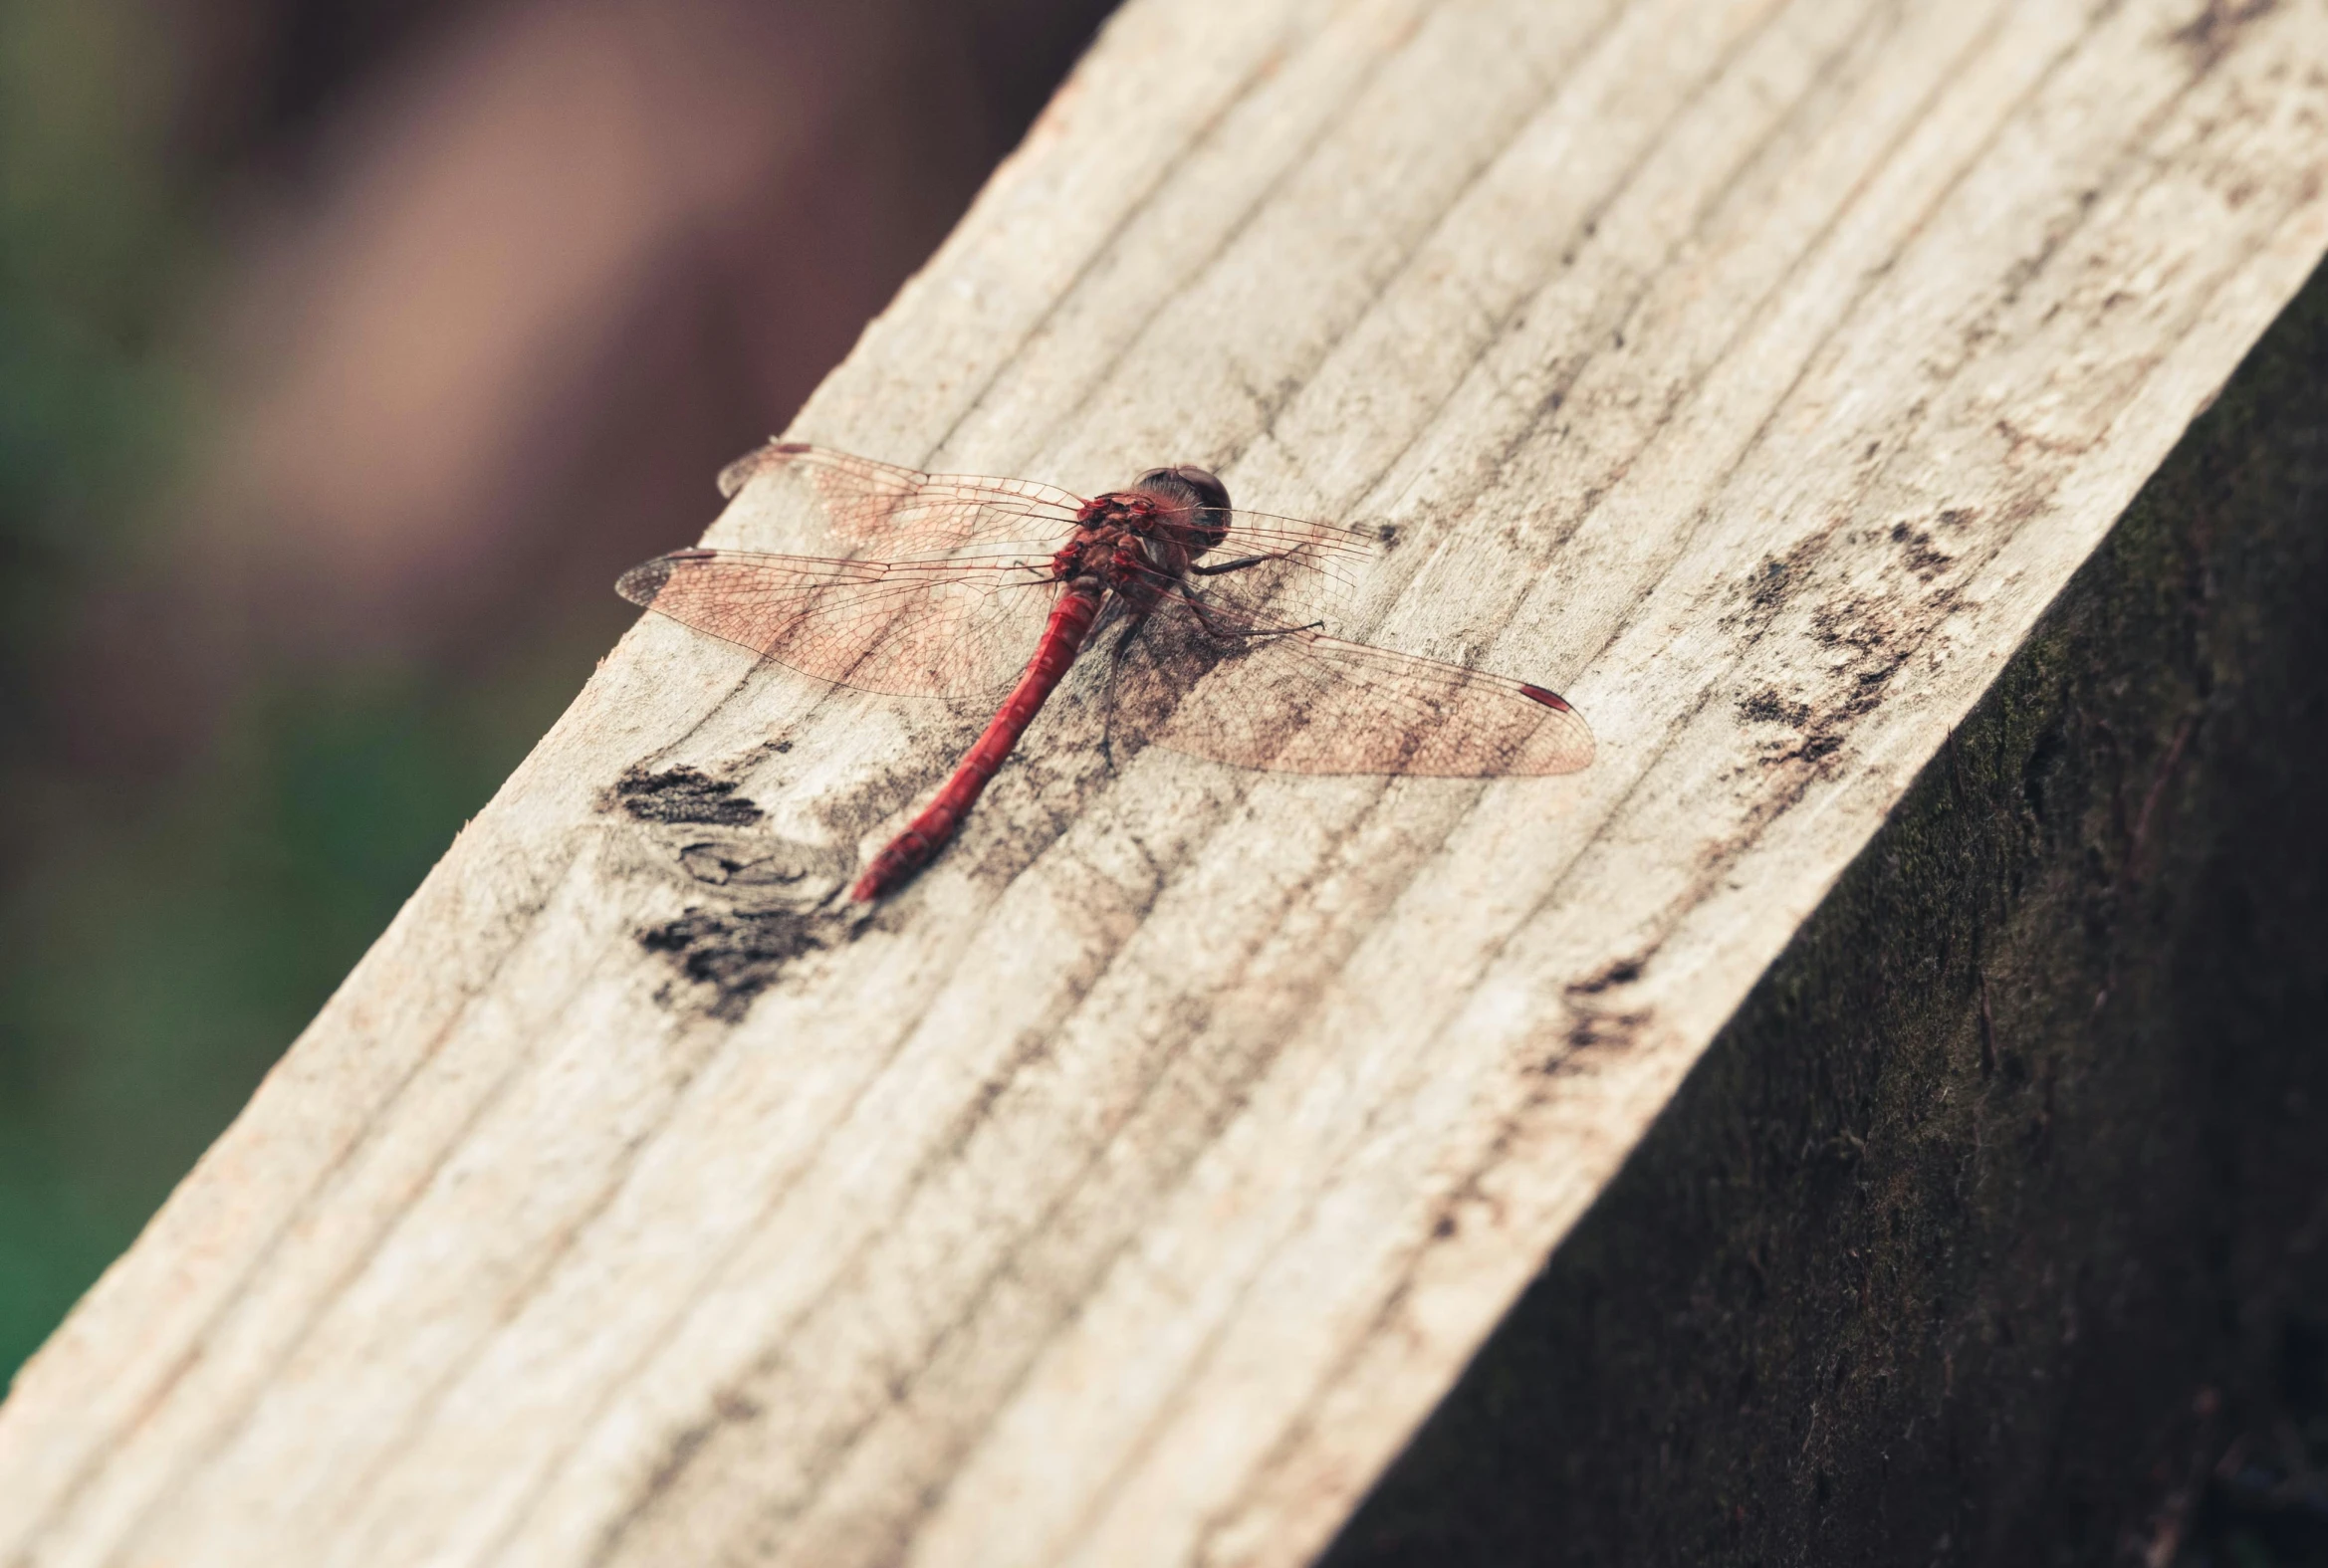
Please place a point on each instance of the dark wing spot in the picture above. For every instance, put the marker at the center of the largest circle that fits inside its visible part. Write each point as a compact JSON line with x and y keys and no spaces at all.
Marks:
{"x":641,"y":584}
{"x":1552,"y":700}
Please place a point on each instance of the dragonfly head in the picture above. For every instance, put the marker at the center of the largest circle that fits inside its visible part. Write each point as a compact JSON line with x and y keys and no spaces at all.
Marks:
{"x":1195,"y":492}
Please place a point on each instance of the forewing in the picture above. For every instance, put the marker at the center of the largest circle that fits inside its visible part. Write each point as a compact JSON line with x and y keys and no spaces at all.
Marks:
{"x":952,"y":627}
{"x":1289,"y":698}
{"x":902,"y":511}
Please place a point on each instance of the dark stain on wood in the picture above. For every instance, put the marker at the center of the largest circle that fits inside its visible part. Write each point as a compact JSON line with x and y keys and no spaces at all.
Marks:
{"x":737,"y":953}
{"x":682,"y":795}
{"x":2216,"y":25}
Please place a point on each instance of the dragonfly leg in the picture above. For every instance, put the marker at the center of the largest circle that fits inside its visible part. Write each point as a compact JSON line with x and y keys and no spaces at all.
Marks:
{"x":1237,"y":565}
{"x":1214,"y":628}
{"x":1116,"y":657}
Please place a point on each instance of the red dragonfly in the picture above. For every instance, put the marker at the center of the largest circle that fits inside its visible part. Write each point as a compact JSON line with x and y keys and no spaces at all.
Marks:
{"x":1217,"y":624}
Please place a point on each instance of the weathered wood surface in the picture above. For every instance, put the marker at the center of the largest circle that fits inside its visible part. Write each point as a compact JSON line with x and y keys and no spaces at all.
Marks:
{"x":1128,"y":1189}
{"x":1993,"y":1222}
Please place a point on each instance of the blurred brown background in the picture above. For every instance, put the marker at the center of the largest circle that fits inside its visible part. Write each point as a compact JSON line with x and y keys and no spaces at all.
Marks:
{"x":349,"y":349}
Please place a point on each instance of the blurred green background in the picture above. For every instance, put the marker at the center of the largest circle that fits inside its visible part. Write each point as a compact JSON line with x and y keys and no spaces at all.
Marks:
{"x":347,"y":352}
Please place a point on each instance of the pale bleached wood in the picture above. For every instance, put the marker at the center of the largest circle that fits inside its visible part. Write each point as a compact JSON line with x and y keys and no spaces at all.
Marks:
{"x":1130,"y":1188}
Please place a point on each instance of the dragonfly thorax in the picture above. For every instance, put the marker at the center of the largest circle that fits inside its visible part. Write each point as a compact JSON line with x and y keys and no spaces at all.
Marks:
{"x":1135,"y":557}
{"x":1136,"y":543}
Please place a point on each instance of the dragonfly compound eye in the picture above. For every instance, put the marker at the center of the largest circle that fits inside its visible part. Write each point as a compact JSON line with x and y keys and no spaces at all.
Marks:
{"x":1197,"y":489}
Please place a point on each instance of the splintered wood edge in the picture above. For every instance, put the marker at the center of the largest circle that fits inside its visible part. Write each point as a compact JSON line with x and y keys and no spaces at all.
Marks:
{"x":1127,"y":1190}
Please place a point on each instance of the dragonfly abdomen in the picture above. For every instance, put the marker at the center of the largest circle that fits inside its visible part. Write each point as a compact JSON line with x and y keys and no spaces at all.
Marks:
{"x":938,"y":822}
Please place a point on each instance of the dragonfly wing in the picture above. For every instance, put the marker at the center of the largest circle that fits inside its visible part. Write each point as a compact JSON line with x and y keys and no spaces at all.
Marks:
{"x":1276,"y":571}
{"x":902,"y":511}
{"x":944,"y":627}
{"x":1243,"y":669}
{"x":1289,"y":698}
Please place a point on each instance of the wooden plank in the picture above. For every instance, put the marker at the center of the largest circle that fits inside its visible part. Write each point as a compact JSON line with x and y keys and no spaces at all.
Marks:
{"x":1989,"y":1225}
{"x":1127,"y":1191}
